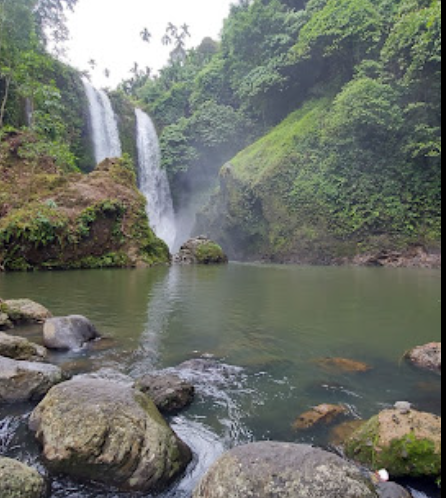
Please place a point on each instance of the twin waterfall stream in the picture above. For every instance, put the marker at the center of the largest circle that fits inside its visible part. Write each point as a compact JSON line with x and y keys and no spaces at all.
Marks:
{"x":152,"y":179}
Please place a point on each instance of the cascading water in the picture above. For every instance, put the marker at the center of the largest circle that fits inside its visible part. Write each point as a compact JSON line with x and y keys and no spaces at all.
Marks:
{"x":104,"y":125}
{"x":153,"y":181}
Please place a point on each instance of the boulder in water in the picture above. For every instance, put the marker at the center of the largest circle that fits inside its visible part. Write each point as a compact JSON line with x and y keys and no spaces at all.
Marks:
{"x":68,"y":333}
{"x":107,"y":432}
{"x":20,"y":481}
{"x":26,"y":381}
{"x":406,"y":444}
{"x":392,"y":490}
{"x":23,"y":311}
{"x":343,"y":365}
{"x":277,"y":470}
{"x":18,"y":348}
{"x":428,"y":356}
{"x":322,"y":414}
{"x":200,"y":251}
{"x":169,"y":392}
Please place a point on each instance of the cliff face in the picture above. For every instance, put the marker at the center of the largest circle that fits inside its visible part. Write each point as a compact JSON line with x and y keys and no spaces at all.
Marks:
{"x":50,"y":219}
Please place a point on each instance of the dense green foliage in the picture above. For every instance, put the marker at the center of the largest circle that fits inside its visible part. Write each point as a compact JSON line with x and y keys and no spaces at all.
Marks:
{"x":357,"y":168}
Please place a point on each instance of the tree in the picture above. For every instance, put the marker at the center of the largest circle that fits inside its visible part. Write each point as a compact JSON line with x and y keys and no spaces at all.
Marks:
{"x":51,"y":19}
{"x":177,"y":36}
{"x":146,"y":35}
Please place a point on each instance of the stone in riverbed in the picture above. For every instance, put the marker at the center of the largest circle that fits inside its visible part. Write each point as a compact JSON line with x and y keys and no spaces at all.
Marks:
{"x":322,"y":414}
{"x":68,"y":333}
{"x":392,"y":490}
{"x":22,"y":381}
{"x":18,"y":348}
{"x":343,"y":365}
{"x":23,"y":311}
{"x":107,"y":432}
{"x":406,"y":444}
{"x":20,"y":481}
{"x":169,"y":392}
{"x":344,"y":431}
{"x":280,"y":470}
{"x":200,"y":251}
{"x":428,"y":356}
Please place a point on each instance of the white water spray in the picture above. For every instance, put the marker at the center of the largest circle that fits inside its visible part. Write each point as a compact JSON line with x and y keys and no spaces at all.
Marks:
{"x":153,"y":181}
{"x":106,"y":141}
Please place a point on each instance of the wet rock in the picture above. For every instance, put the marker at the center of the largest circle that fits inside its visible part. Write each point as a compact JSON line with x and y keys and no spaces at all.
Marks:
{"x":107,"y":432}
{"x":5,"y":322}
{"x":20,"y":481}
{"x":169,"y":392}
{"x":403,"y":407}
{"x":68,"y":333}
{"x":392,"y":490}
{"x":407,"y":445}
{"x":26,"y":381}
{"x":278,"y":470}
{"x":343,"y":365}
{"x":18,"y":348}
{"x":111,"y":375}
{"x":200,"y":251}
{"x":428,"y":356}
{"x":23,"y":311}
{"x":342,"y":432}
{"x":322,"y":414}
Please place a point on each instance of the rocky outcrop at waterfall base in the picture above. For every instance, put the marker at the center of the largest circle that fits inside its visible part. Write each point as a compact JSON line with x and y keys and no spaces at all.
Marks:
{"x":405,"y":442}
{"x":200,"y":251}
{"x":18,"y":348}
{"x":22,"y":381}
{"x":108,"y":432}
{"x":68,"y":333}
{"x":274,"y":470}
{"x":428,"y":356}
{"x":20,"y":481}
{"x":54,"y":219}
{"x":21,"y":312}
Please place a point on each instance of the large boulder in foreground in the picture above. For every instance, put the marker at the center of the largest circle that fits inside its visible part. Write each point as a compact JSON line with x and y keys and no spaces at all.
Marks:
{"x":22,"y":312}
{"x":169,"y":392}
{"x":20,"y":481}
{"x":26,"y":381}
{"x":107,"y":432}
{"x":406,"y":444}
{"x":279,"y":470}
{"x":200,"y":251}
{"x":18,"y":348}
{"x":428,"y":356}
{"x":68,"y":333}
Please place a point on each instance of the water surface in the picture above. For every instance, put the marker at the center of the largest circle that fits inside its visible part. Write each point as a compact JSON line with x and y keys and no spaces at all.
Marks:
{"x":269,"y":323}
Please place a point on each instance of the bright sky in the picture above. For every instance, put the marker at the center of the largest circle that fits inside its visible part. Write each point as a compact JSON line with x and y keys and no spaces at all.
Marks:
{"x":108,"y":31}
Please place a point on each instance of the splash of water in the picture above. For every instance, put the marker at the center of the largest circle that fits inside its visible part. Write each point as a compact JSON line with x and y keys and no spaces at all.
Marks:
{"x":104,"y":125}
{"x":153,"y":181}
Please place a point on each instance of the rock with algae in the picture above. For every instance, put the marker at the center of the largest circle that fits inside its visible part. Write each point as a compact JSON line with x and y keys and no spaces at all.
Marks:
{"x":20,"y":481}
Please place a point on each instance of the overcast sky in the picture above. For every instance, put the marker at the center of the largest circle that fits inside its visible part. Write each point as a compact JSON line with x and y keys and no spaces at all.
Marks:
{"x":108,"y":31}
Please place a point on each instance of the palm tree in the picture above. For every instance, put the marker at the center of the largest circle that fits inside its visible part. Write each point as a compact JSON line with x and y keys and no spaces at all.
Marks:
{"x":186,"y":30}
{"x":107,"y":73}
{"x":93,"y":64}
{"x":146,"y":35}
{"x":135,"y":69}
{"x":166,"y":40}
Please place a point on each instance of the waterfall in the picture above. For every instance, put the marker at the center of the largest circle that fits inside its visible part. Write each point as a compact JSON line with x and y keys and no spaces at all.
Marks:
{"x":104,"y":125}
{"x":153,"y":181}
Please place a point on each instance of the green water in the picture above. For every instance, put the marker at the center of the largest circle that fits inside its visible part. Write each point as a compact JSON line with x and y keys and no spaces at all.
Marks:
{"x":273,"y":322}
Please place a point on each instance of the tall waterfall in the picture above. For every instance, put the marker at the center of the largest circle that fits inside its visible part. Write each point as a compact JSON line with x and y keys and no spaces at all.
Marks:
{"x":104,"y":125}
{"x":153,"y":181}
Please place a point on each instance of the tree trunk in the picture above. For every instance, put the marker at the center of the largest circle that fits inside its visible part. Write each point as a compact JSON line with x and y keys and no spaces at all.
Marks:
{"x":5,"y":100}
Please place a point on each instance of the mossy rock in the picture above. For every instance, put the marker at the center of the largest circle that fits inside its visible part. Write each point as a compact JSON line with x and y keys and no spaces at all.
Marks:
{"x":201,"y":251}
{"x":408,"y":445}
{"x":20,"y":481}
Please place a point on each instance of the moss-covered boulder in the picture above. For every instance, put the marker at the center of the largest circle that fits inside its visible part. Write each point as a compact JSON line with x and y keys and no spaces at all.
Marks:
{"x":407,"y":444}
{"x":18,"y":348}
{"x":51,"y":219}
{"x":279,"y":470}
{"x":105,"y":431}
{"x":201,"y":251}
{"x":20,"y":481}
{"x":23,"y":311}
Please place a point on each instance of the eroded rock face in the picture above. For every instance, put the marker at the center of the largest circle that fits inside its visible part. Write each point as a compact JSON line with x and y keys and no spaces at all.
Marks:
{"x":322,"y":414}
{"x":200,"y":251}
{"x":68,"y":333}
{"x":23,"y":311}
{"x":169,"y":392}
{"x":19,"y":481}
{"x":428,"y":356}
{"x":406,"y":444}
{"x":18,"y":348}
{"x":280,"y":470}
{"x":26,"y":381}
{"x":107,"y":432}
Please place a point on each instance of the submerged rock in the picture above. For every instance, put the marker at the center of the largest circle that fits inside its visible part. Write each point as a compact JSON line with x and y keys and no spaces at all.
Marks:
{"x":18,"y":348}
{"x":68,"y":333}
{"x":279,"y":470}
{"x":322,"y":414}
{"x":26,"y":381}
{"x":406,"y":444}
{"x":201,"y":251}
{"x":20,"y":481}
{"x":107,"y":432}
{"x":169,"y":392}
{"x":343,"y":365}
{"x":428,"y":356}
{"x":343,"y":432}
{"x":23,"y":311}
